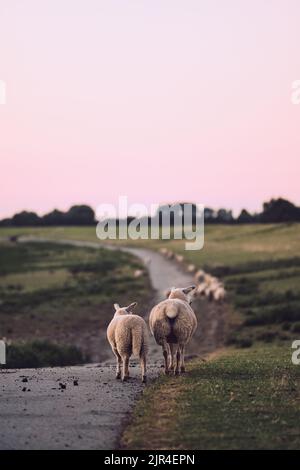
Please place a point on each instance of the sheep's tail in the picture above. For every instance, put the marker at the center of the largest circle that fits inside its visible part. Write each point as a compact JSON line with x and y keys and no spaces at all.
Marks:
{"x":171,"y":311}
{"x":137,"y":342}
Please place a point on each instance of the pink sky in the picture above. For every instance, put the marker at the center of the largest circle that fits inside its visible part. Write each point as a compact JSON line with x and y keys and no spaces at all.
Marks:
{"x":159,"y":100}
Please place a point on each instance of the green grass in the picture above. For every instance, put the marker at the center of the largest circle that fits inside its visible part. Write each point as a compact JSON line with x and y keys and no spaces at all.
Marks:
{"x":246,"y":398}
{"x":64,"y":293}
{"x":259,"y":265}
{"x":42,"y":354}
{"x":243,"y":399}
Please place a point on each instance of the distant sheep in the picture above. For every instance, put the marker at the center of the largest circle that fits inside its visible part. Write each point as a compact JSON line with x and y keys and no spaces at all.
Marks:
{"x":179,"y":258}
{"x":200,"y":290}
{"x":219,"y":294}
{"x":209,"y":287}
{"x":127,"y":334}
{"x":173,"y":323}
{"x":200,"y":276}
{"x":191,"y":268}
{"x":138,"y":273}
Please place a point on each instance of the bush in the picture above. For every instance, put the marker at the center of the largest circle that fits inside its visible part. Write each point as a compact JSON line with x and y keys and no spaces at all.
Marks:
{"x":266,"y":299}
{"x":234,"y":340}
{"x":252,"y":266}
{"x":244,"y":343}
{"x":267,"y":336}
{"x":42,"y":354}
{"x":296,"y":327}
{"x":275,"y":314}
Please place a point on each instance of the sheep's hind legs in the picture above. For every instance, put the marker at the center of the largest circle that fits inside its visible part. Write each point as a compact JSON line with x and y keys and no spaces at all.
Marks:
{"x":182,"y":368}
{"x":119,"y":363}
{"x":166,"y":357}
{"x":175,"y":358}
{"x":143,"y":367}
{"x":125,"y":375}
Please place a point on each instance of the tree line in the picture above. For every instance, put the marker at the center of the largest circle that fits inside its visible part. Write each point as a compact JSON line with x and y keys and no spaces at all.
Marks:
{"x":275,"y":211}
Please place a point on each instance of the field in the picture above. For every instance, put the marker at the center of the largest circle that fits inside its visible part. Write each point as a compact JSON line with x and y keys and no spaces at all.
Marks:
{"x":63,"y":294}
{"x":259,"y":265}
{"x":241,"y":399}
{"x":247,"y":395}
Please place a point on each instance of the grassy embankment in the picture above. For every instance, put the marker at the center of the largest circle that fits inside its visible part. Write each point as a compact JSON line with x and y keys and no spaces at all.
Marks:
{"x":246,"y":398}
{"x":61,"y":294}
{"x":259,"y":264}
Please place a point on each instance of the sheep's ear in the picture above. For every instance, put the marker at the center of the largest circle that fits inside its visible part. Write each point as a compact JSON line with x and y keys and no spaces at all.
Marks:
{"x":131,"y":307}
{"x":117,"y":306}
{"x":168,"y":292}
{"x":186,"y":290}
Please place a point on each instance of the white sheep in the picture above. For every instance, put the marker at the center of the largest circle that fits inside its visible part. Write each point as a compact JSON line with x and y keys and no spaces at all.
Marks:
{"x":179,"y":258}
{"x":127,"y":334}
{"x":219,"y":294}
{"x":209,"y":292}
{"x":200,"y":276}
{"x":191,"y":268}
{"x":200,"y":290}
{"x":172,"y":323}
{"x":138,"y":273}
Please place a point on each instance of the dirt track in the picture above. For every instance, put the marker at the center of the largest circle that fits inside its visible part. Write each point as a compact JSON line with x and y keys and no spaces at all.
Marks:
{"x":89,"y":415}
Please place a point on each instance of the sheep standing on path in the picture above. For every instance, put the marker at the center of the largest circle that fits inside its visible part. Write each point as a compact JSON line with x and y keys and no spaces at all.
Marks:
{"x":173,"y":323}
{"x":127,"y":334}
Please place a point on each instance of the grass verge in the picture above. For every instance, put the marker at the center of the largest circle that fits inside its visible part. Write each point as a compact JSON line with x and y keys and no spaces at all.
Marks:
{"x":242,"y":399}
{"x":42,"y":354}
{"x":65,"y":294}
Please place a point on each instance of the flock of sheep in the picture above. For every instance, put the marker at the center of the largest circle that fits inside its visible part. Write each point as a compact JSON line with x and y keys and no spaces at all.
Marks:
{"x":172,"y":323}
{"x":207,"y":286}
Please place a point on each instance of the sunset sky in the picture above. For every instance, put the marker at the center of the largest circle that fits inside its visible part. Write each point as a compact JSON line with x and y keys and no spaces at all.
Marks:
{"x":159,"y":100}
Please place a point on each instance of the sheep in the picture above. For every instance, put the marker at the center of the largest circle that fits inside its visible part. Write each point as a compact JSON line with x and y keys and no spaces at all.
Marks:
{"x":173,"y":323}
{"x":219,"y":294}
{"x":127,"y":334}
{"x":191,"y":268}
{"x":179,"y":258}
{"x":200,"y":290}
{"x":208,"y":278}
{"x":209,"y":286}
{"x":200,"y":276}
{"x":138,"y":273}
{"x":209,"y":292}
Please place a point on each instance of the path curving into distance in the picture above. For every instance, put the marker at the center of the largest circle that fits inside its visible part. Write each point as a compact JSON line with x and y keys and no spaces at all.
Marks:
{"x":90,"y":415}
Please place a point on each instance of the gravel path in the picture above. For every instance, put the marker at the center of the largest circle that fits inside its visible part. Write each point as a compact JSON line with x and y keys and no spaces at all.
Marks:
{"x":83,"y":407}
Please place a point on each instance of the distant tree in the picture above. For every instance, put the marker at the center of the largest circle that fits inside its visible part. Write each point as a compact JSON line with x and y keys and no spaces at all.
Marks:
{"x":24,"y":218}
{"x":245,"y":217}
{"x":55,"y":217}
{"x":5,"y":222}
{"x":209,"y":215}
{"x":279,"y":210}
{"x":80,"y":215}
{"x":224,"y":216}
